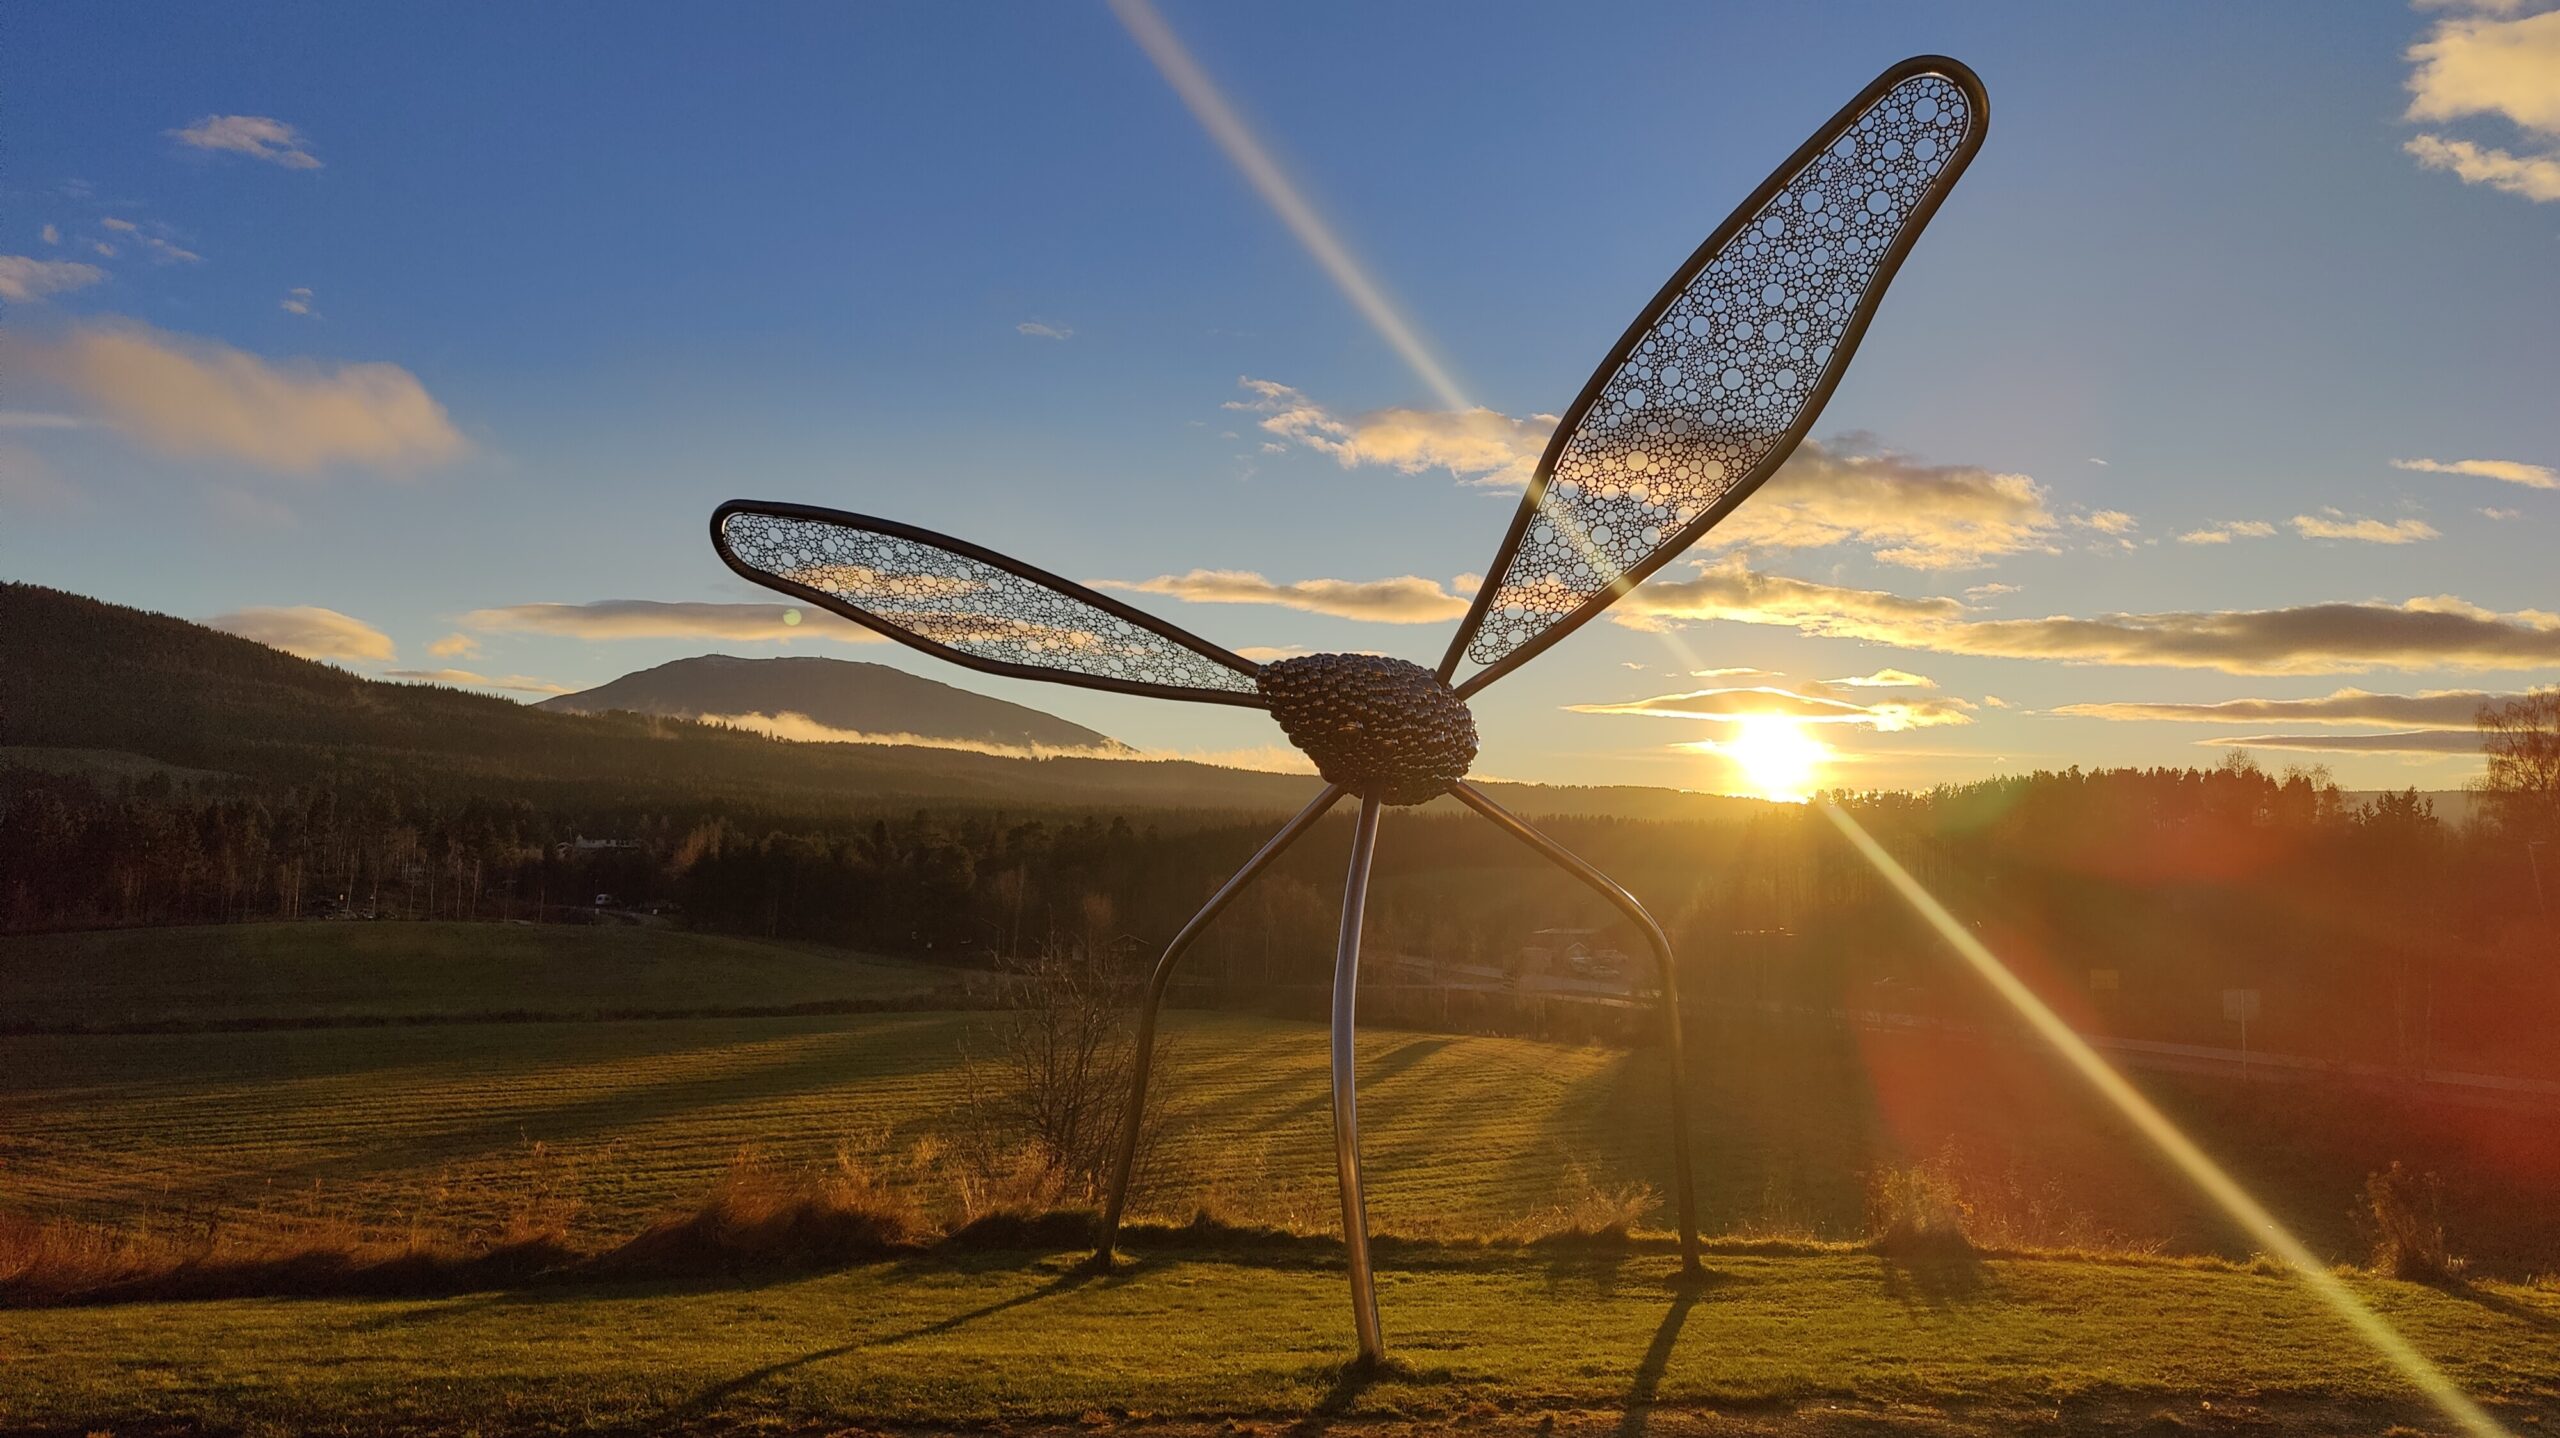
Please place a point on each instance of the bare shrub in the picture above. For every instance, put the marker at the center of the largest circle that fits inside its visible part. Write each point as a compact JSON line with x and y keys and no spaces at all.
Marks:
{"x":2402,"y":1216}
{"x":1915,"y":1208}
{"x":1048,"y":1090}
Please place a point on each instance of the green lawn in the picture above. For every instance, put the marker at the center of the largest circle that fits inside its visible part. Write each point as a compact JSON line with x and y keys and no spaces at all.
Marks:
{"x":635,"y":1115}
{"x":397,"y":970}
{"x":1184,"y":1335}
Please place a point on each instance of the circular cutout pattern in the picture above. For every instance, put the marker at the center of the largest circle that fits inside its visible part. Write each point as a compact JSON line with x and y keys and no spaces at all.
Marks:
{"x":1726,"y":369}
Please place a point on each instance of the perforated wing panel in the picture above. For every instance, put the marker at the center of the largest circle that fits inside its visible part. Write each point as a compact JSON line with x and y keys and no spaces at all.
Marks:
{"x":1720,"y":378}
{"x":972,"y":605}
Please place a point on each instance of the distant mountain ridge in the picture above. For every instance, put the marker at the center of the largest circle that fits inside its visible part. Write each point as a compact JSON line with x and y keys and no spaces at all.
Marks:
{"x":104,"y":689}
{"x":843,"y":695}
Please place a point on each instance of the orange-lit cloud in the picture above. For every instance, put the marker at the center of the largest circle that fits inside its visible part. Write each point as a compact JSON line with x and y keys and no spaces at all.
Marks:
{"x":197,"y":398}
{"x":1405,"y":599}
{"x":2483,"y":64}
{"x":2531,"y":476}
{"x":307,"y":631}
{"x":1889,"y":679}
{"x":25,"y":279}
{"x":454,"y":646}
{"x":2344,"y":706}
{"x":2330,"y":524}
{"x":2420,"y":741}
{"x":465,"y":679}
{"x":1811,"y":703}
{"x":258,"y":136}
{"x":801,"y":729}
{"x":663,"y":619}
{"x":1903,"y":512}
{"x":1478,"y":446}
{"x":2438,"y":632}
{"x":2229,"y":530}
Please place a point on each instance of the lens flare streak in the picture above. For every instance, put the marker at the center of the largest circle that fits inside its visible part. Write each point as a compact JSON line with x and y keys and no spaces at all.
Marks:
{"x":1246,"y":152}
{"x":2198,"y":1167}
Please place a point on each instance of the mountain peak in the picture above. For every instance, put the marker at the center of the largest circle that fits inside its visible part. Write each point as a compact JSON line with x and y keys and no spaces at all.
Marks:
{"x":854,"y":697}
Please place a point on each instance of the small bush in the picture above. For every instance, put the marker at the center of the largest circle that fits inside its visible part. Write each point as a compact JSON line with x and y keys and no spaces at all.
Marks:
{"x":2402,"y":1215}
{"x":1915,"y":1209}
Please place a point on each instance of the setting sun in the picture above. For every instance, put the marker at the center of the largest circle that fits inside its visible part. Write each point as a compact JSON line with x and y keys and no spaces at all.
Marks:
{"x":1779,"y":758}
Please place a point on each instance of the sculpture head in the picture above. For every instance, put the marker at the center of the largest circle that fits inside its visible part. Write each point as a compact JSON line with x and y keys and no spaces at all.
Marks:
{"x":1381,"y":728}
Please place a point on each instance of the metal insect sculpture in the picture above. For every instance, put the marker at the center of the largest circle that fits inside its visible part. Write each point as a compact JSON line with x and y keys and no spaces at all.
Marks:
{"x":1701,"y":400}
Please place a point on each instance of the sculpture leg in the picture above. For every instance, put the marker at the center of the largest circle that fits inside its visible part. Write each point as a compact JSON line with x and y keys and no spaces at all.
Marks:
{"x":1143,"y":1061}
{"x":1346,"y":1094}
{"x":1684,"y":1194}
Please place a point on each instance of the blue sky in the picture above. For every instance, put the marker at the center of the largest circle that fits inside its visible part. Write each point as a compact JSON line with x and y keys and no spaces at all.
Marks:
{"x":420,"y":316}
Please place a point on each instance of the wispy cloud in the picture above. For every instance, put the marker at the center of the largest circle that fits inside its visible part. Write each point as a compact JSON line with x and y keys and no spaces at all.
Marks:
{"x":1811,"y":703}
{"x":2491,"y":64}
{"x":51,"y":234}
{"x":2229,"y":530}
{"x":1905,"y":512}
{"x":1478,"y":446}
{"x":2439,"y":632}
{"x":1037,"y":330}
{"x":801,"y":729}
{"x":307,"y":631}
{"x":29,"y":484}
{"x":2531,"y":476}
{"x":2419,"y":741}
{"x":2331,"y":524}
{"x":2429,"y":707}
{"x":663,"y":619}
{"x":257,"y":136}
{"x":296,"y":301}
{"x":168,"y":253}
{"x":24,"y":279}
{"x":1889,"y":679}
{"x":1405,"y":599}
{"x":201,"y":399}
{"x":1902,"y":511}
{"x":465,"y":679}
{"x":454,"y":646}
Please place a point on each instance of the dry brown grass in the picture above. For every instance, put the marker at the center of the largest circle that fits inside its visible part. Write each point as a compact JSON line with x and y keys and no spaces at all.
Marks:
{"x":761,"y":1213}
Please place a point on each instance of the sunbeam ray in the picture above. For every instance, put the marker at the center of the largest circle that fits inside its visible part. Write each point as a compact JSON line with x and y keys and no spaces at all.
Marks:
{"x":2198,"y":1167}
{"x":1210,"y":107}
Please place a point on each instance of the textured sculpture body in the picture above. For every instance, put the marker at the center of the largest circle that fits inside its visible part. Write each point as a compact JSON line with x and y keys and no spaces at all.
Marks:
{"x":1701,"y":400}
{"x":1373,"y":725}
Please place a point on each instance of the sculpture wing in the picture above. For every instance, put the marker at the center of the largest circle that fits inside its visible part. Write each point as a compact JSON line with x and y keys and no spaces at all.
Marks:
{"x":971,"y":605}
{"x":1721,"y":376}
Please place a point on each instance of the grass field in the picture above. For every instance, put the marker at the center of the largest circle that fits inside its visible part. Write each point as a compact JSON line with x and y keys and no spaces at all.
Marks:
{"x":458,"y":1124}
{"x":1838,"y":1343}
{"x":395,"y":970}
{"x":459,"y":1121}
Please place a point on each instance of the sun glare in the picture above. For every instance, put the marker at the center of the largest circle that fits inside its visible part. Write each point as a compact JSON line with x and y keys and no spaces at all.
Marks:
{"x":1779,"y":758}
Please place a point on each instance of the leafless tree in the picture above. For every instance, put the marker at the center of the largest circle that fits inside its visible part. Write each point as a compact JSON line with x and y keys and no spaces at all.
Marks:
{"x":1052,"y":1077}
{"x":2522,"y":740}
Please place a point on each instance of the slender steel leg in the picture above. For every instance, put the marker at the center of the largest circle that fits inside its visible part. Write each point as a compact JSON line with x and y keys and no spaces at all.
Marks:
{"x":1684,"y":1194}
{"x":1346,"y":1094}
{"x":1143,"y":1062}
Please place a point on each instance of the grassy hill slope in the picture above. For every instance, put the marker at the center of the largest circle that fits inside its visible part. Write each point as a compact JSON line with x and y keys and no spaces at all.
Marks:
{"x":80,"y":674}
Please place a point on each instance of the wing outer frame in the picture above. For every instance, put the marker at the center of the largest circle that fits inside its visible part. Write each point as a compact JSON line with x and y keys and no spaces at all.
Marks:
{"x":1977,"y":127}
{"x":1081,"y":594}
